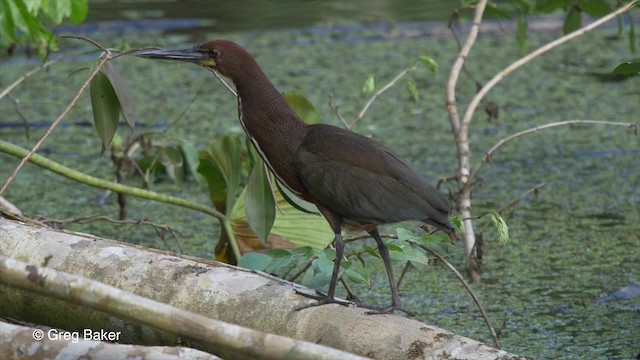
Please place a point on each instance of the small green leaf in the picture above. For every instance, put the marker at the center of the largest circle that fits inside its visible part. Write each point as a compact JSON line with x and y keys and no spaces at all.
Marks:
{"x":457,"y":223}
{"x":628,"y":68}
{"x":413,"y":91}
{"x":404,"y":234}
{"x":122,"y":92}
{"x":302,"y":107}
{"x":428,"y":62}
{"x":357,"y":274}
{"x":595,"y":8}
{"x":371,"y":251}
{"x":369,"y":85}
{"x":549,"y":6}
{"x":173,"y":161}
{"x":255,"y":261}
{"x":501,"y":226}
{"x":106,"y":108}
{"x":573,"y":20}
{"x":56,"y":10}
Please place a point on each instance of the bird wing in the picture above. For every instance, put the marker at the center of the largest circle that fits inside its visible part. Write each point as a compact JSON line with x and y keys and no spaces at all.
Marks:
{"x":364,"y":181}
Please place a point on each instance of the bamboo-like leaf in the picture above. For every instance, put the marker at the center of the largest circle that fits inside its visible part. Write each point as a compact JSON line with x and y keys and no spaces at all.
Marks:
{"x":258,"y":203}
{"x":495,"y":11}
{"x":633,"y":46}
{"x":303,"y":107}
{"x":122,"y":92}
{"x":552,"y":5}
{"x":106,"y":108}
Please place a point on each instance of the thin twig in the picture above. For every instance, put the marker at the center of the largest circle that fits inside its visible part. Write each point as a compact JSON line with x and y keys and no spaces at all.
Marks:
{"x":78,"y":176}
{"x":24,"y":77}
{"x":304,"y":268}
{"x":91,"y":41}
{"x":468,"y":115}
{"x":337,"y":111}
{"x":487,"y":156}
{"x":55,"y":123}
{"x":379,"y":92}
{"x":466,"y":286}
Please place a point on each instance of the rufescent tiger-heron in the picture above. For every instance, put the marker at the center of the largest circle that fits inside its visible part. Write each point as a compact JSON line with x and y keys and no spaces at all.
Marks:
{"x":353,"y":180}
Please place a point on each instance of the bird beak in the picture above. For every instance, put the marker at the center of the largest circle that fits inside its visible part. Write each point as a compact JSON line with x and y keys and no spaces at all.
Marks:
{"x":193,"y":55}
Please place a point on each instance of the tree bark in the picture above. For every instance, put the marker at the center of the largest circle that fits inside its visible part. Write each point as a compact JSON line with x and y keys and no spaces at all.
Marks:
{"x":212,"y":289}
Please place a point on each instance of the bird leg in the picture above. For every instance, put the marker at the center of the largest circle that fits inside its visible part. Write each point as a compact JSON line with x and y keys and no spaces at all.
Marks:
{"x":395,"y":297}
{"x":329,"y":298}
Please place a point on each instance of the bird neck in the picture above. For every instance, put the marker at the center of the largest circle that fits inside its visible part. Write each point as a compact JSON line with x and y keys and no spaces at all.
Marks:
{"x":272,"y":126}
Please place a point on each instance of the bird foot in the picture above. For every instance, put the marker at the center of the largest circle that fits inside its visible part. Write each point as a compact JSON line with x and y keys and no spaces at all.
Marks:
{"x":374,"y":310}
{"x":322,"y":299}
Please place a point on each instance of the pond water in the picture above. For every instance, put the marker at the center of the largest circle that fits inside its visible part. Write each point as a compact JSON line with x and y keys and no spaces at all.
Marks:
{"x":574,"y":242}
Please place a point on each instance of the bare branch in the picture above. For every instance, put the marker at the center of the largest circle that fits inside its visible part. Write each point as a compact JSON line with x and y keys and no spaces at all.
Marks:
{"x":452,"y":107}
{"x":487,"y":156}
{"x":379,"y":92}
{"x":55,"y":123}
{"x":24,"y":77}
{"x":466,"y":286}
{"x":468,"y":115}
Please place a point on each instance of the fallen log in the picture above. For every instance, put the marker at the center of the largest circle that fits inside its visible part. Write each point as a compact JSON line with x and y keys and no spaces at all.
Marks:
{"x":215,"y":290}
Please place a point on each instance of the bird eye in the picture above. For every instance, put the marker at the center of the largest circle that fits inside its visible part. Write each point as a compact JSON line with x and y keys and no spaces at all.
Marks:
{"x":214,"y":53}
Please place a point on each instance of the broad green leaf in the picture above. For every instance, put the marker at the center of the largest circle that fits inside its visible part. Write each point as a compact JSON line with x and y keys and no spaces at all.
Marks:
{"x":307,"y":278}
{"x":413,"y":90}
{"x":324,"y":263}
{"x":303,"y":107}
{"x":573,"y":20}
{"x":369,"y":85}
{"x":79,"y":10}
{"x":521,"y":33}
{"x":122,"y":92}
{"x":279,"y":262}
{"x":7,"y":22}
{"x":106,"y":108}
{"x":299,"y":228}
{"x":221,"y":165}
{"x":295,"y":201}
{"x":258,"y":203}
{"x":190,"y":154}
{"x":595,"y":8}
{"x":255,"y":261}
{"x":501,"y":226}
{"x":404,"y":234}
{"x":428,"y":62}
{"x":628,"y":68}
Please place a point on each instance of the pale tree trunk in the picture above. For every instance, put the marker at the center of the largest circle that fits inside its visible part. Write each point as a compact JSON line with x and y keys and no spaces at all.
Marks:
{"x":213,"y":290}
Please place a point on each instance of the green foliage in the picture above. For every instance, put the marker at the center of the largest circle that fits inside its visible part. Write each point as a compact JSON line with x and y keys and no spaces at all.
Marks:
{"x":302,"y":107}
{"x":412,"y":89}
{"x":501,"y":226}
{"x":259,"y":204}
{"x":24,"y":21}
{"x":106,"y":108}
{"x":369,"y":85}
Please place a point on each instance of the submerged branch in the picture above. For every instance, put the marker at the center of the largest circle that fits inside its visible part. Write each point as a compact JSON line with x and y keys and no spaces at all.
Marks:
{"x":83,"y":178}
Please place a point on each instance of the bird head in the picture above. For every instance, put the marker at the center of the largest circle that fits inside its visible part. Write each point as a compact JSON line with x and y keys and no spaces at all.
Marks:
{"x":223,"y":56}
